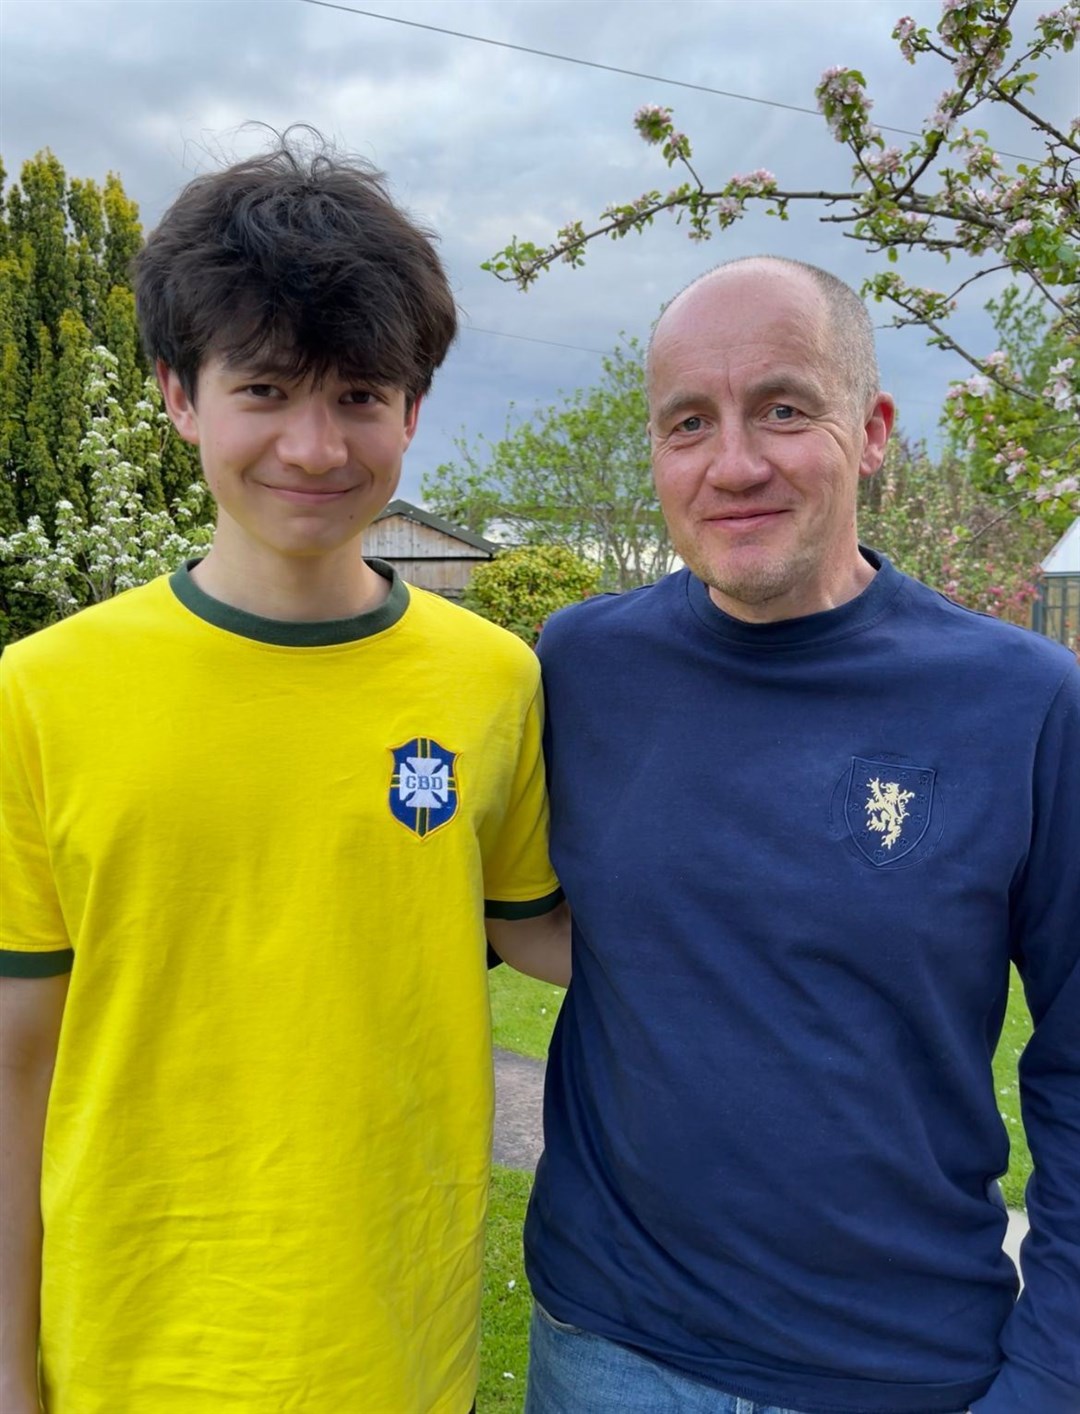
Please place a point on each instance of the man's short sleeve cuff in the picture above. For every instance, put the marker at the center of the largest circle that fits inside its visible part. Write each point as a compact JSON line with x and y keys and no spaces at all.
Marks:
{"x":36,"y":964}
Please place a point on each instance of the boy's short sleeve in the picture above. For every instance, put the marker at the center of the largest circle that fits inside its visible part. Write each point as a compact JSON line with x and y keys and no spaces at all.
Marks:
{"x":519,"y":881}
{"x":34,"y":940}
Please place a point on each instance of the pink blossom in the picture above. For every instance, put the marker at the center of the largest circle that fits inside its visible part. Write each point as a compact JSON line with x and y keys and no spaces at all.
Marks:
{"x":886,"y":162}
{"x":757,"y":182}
{"x":652,"y":121}
{"x":904,"y":32}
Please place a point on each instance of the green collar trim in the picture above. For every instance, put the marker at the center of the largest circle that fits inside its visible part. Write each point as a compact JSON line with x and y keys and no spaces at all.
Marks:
{"x":283,"y":634}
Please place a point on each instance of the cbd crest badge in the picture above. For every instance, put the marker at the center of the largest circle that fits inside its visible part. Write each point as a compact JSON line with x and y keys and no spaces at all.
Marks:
{"x":423,"y":785}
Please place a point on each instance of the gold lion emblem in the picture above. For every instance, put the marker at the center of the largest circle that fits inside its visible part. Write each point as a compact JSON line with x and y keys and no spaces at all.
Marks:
{"x":886,"y":809}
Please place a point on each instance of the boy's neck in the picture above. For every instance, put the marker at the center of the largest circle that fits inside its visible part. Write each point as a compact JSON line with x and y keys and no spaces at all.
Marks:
{"x":302,"y":590}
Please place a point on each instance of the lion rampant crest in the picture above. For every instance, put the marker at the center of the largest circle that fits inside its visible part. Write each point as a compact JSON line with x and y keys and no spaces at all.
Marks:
{"x":886,"y":809}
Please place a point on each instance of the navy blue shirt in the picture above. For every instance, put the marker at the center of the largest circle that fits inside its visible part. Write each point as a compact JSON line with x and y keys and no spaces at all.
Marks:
{"x":800,"y":856}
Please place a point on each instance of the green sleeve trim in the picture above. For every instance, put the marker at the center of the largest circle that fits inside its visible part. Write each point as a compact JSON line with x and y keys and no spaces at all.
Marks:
{"x":36,"y":964}
{"x":531,"y":908}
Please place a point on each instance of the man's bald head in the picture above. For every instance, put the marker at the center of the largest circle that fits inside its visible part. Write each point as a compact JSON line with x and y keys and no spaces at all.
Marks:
{"x":846,"y":324}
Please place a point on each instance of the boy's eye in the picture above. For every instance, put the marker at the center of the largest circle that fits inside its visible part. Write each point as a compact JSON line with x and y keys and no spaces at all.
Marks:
{"x":361,"y":396}
{"x":262,"y":390}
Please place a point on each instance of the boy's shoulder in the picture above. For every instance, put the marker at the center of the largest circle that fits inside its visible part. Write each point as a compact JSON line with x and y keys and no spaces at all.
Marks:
{"x":120,"y":621}
{"x":464,"y":632}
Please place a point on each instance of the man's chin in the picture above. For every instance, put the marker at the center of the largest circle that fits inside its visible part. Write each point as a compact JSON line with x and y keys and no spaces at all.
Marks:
{"x":753,"y":586}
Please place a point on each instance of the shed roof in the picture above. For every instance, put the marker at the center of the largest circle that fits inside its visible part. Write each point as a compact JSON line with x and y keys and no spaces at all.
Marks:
{"x":422,"y":517}
{"x":1064,"y":558}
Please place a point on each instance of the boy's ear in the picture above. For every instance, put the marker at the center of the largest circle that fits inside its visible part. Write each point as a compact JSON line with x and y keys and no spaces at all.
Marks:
{"x":411,"y":417}
{"x":178,"y":405}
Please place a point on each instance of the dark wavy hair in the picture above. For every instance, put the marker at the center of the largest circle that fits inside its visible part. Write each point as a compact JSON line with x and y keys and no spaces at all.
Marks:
{"x":299,"y":261}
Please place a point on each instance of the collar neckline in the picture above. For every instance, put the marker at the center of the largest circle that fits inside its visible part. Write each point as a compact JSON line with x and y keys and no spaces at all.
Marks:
{"x":286,"y":634}
{"x":858,"y":613}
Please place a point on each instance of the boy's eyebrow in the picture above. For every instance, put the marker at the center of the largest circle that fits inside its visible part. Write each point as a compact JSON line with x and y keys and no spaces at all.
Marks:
{"x":242,"y":362}
{"x":245,"y":365}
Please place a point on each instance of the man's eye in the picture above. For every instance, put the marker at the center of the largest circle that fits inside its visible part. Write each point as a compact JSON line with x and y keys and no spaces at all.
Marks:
{"x":690,"y":424}
{"x":783,"y":412}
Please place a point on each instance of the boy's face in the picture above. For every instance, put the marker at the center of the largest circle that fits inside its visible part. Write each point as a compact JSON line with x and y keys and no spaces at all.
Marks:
{"x":297,"y":469}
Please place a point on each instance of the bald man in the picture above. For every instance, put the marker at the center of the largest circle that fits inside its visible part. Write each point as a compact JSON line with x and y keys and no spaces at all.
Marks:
{"x":805,"y":811}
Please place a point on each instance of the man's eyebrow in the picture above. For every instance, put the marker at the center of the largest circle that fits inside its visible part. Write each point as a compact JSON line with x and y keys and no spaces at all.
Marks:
{"x":679,"y":402}
{"x":787,"y":385}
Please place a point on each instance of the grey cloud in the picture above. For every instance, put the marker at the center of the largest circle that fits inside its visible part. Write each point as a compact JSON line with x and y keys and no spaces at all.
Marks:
{"x":486,"y":143}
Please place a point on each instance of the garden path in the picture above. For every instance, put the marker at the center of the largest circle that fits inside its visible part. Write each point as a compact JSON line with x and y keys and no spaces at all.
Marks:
{"x":519,"y":1092}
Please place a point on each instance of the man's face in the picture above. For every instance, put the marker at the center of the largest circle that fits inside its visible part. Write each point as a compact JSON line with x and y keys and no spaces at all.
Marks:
{"x":298,"y":469}
{"x":757,"y":450}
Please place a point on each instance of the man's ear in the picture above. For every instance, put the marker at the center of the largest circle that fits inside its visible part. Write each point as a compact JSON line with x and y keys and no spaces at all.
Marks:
{"x":178,"y":405}
{"x":876,"y":430}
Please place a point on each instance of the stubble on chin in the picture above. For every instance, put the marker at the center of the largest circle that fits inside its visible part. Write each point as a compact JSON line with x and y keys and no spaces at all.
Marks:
{"x":753,"y":584}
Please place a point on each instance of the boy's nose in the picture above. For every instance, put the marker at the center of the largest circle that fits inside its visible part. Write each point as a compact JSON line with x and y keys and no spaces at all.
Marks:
{"x":312,"y":440}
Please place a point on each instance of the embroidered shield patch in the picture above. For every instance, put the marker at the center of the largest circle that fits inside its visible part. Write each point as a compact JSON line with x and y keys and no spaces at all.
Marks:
{"x":887,"y":807}
{"x":423,"y":786}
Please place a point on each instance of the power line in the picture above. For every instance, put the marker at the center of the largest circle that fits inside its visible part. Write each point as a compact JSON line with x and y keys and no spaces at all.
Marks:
{"x":606,"y":68}
{"x":567,"y":58}
{"x":529,"y":339}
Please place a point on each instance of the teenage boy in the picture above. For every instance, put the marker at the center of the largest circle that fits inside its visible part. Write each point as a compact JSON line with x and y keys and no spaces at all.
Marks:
{"x":254,"y":816}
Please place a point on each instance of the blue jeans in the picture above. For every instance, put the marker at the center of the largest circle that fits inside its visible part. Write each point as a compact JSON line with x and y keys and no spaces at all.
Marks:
{"x":574,"y":1372}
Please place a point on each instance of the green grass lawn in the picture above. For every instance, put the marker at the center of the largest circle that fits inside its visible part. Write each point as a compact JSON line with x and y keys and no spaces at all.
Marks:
{"x":523,"y":1014}
{"x":1014,"y":1036}
{"x":504,"y":1336}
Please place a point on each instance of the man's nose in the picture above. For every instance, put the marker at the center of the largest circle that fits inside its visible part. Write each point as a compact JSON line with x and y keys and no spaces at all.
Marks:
{"x":737,"y":461}
{"x":312,"y":439}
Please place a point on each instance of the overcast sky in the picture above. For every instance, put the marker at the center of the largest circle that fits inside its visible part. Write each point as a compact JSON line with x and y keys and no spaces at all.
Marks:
{"x":486,"y":143}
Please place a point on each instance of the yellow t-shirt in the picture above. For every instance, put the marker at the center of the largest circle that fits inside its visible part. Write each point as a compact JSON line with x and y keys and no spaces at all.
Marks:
{"x":266,"y":848}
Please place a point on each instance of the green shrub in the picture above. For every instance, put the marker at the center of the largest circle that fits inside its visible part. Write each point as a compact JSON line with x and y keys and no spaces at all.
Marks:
{"x":521,"y":588}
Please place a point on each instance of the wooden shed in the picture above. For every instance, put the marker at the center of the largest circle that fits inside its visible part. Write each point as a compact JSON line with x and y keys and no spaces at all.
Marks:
{"x":427,"y":550}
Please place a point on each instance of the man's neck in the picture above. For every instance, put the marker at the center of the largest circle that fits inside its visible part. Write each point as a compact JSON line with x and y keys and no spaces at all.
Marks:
{"x":300,"y":590}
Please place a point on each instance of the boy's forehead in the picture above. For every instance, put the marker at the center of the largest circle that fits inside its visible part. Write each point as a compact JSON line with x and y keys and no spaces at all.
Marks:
{"x":293,"y":364}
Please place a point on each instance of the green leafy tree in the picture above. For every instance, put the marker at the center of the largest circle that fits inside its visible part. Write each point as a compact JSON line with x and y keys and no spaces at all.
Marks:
{"x":522,"y":588}
{"x":947,"y":192}
{"x":37,"y":211}
{"x":577,"y":474}
{"x":38,"y":486}
{"x":65,"y":254}
{"x":118,"y":541}
{"x":70,"y":410}
{"x":1008,"y":439}
{"x":935,"y":524}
